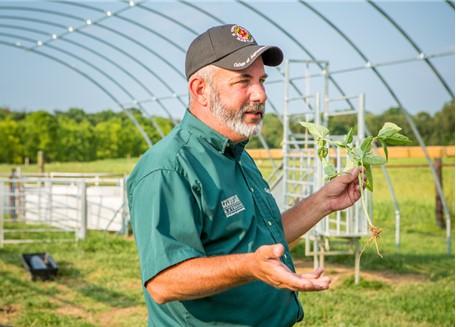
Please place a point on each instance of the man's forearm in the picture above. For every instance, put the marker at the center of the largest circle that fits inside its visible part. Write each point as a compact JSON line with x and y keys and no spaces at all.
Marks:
{"x":303,"y":216}
{"x":201,"y":277}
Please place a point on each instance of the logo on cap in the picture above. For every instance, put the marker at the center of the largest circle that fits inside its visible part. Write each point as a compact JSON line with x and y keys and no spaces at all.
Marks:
{"x":241,"y":34}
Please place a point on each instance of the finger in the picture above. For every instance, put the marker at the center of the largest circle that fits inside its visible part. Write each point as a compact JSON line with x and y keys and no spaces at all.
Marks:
{"x":312,"y":285}
{"x":313,"y":275}
{"x":307,"y":283}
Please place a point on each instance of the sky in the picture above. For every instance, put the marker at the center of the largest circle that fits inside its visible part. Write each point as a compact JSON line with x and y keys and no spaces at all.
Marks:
{"x":139,"y":53}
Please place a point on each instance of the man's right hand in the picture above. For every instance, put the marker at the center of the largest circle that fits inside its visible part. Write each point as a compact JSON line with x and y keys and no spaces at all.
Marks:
{"x":268,"y":268}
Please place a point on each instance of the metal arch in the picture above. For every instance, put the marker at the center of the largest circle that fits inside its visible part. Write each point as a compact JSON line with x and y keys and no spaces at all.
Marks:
{"x":292,"y":38}
{"x":191,"y":5}
{"x":87,"y":63}
{"x":154,"y":123}
{"x":109,"y":94}
{"x":205,"y":12}
{"x":364,"y":57}
{"x":111,"y":45}
{"x":407,"y":115}
{"x":260,"y":136}
{"x":116,"y":14}
{"x":168,"y":18}
{"x":101,"y":41}
{"x":450,"y":3}
{"x":413,"y":44}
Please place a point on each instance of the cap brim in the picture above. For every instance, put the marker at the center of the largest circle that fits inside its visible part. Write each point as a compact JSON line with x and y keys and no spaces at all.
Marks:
{"x":244,"y":57}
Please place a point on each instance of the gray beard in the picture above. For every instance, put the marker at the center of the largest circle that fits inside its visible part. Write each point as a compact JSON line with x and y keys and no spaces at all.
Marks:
{"x":234,"y":119}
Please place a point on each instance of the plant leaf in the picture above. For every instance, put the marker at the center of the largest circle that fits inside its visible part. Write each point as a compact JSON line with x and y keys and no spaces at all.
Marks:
{"x":349,"y":137}
{"x":397,"y":139}
{"x":317,"y":131}
{"x":372,"y":159}
{"x":388,"y":129}
{"x":385,"y":149}
{"x":340,"y":144}
{"x":329,"y":169}
{"x":357,"y":154}
{"x":367,"y":144}
{"x":369,"y":179}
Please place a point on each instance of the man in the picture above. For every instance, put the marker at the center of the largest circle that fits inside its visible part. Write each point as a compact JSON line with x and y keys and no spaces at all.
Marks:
{"x":213,"y":245}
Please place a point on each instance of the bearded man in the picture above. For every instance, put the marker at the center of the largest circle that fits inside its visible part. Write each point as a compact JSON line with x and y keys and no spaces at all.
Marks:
{"x":212,"y":243}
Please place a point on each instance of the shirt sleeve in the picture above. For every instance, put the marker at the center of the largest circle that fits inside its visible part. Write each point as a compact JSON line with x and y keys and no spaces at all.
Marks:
{"x":166,"y":222}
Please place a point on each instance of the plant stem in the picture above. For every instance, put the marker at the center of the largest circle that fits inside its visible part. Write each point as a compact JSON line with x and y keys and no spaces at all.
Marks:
{"x":363,"y":204}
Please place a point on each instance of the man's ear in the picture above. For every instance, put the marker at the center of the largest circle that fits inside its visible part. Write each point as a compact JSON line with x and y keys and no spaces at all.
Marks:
{"x":198,"y":88}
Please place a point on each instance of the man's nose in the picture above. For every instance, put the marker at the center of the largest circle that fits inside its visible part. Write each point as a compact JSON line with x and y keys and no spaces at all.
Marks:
{"x":258,"y":94}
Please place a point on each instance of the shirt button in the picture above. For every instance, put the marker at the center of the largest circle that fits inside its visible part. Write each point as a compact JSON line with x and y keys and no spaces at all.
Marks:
{"x":252,"y":190}
{"x":285,"y":256}
{"x":269,"y":223}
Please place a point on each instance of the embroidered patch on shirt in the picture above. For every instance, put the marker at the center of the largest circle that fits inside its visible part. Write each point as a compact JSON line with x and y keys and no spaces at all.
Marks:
{"x":232,"y":206}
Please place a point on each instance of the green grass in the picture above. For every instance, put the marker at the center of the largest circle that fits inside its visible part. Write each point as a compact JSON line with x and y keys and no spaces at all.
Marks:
{"x":99,"y":279}
{"x":111,"y":166}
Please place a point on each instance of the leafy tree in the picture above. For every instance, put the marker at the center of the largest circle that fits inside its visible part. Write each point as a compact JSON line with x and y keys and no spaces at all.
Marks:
{"x":444,"y":125}
{"x":107,"y":138}
{"x":76,"y":140}
{"x":76,"y":114}
{"x":40,"y":133}
{"x":273,"y":130}
{"x":11,"y":150}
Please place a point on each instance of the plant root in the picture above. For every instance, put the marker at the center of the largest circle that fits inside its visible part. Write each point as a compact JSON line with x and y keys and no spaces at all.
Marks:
{"x":375,"y":236}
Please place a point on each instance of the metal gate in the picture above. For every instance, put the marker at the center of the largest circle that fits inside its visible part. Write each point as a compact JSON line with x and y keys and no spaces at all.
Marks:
{"x":43,"y":209}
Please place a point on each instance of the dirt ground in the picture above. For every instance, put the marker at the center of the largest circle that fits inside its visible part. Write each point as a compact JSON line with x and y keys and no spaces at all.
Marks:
{"x":338,"y":273}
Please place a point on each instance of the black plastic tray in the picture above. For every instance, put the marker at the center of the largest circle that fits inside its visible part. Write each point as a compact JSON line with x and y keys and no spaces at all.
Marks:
{"x":47,"y":271}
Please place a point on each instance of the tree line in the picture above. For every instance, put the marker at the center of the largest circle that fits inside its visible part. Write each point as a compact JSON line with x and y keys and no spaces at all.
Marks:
{"x":75,"y":135}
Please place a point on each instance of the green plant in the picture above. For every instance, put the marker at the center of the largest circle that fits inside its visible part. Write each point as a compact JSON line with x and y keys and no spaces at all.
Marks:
{"x":358,"y":156}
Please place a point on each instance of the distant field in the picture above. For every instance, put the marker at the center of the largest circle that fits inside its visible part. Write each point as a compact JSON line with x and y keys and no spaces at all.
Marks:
{"x":99,"y":283}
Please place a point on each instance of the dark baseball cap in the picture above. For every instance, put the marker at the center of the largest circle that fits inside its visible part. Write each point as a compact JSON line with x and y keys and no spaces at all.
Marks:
{"x":228,"y":46}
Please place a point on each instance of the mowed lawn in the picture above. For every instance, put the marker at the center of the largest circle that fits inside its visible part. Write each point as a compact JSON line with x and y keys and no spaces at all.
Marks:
{"x":99,"y":284}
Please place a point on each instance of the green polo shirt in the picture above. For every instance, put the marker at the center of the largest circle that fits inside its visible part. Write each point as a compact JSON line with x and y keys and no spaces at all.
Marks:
{"x":197,"y":194}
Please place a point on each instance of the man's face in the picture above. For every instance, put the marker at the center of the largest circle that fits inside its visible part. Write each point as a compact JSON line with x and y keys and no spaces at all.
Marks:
{"x":237,"y":98}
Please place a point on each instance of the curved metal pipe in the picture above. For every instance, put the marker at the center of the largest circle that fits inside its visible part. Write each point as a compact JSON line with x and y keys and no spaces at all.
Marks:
{"x":154,"y":122}
{"x":364,"y":57}
{"x":295,"y":41}
{"x":109,"y":94}
{"x":428,"y":158}
{"x":218,"y":20}
{"x":52,"y":12}
{"x":160,"y":35}
{"x":393,"y":94}
{"x":96,"y":39}
{"x":131,"y":21}
{"x":413,"y":44}
{"x":90,"y":65}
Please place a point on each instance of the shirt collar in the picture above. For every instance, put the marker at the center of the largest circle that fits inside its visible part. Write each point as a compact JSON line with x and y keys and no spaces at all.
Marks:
{"x":214,"y":138}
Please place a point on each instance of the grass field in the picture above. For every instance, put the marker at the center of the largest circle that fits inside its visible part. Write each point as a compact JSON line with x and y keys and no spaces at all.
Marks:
{"x":99,"y":285}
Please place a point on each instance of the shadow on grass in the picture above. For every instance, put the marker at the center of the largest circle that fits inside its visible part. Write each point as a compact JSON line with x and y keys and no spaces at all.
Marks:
{"x":67,"y":276}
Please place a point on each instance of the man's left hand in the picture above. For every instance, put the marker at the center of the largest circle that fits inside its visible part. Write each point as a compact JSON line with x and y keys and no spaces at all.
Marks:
{"x":343,"y":191}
